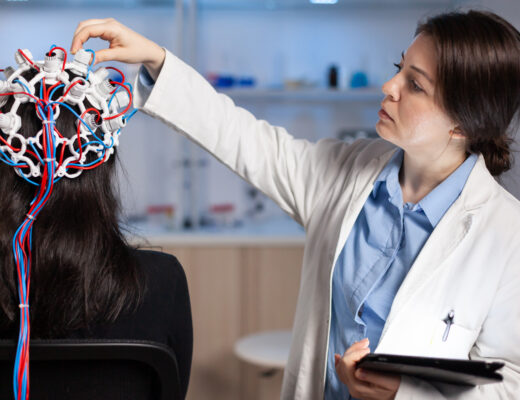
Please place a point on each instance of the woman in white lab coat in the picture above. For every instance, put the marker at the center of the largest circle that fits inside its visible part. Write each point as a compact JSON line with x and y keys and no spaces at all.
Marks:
{"x":444,"y":121}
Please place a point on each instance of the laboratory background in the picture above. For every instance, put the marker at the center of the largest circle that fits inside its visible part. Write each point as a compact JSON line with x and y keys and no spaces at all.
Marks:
{"x":314,"y":67}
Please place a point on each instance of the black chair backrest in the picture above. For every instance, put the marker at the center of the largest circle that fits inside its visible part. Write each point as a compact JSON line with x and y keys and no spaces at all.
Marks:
{"x":94,"y":370}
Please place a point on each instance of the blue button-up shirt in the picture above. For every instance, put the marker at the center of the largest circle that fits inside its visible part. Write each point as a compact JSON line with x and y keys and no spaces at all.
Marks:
{"x":382,"y":246}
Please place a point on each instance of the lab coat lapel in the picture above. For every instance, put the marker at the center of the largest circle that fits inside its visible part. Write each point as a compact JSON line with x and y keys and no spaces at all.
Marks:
{"x":360,"y":194}
{"x":445,"y":238}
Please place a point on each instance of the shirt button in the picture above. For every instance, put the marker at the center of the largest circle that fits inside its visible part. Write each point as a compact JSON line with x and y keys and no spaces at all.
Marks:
{"x":360,"y":313}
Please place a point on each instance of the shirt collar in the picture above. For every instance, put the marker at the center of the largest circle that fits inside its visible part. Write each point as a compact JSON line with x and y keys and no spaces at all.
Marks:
{"x":437,"y":202}
{"x":389,"y":174}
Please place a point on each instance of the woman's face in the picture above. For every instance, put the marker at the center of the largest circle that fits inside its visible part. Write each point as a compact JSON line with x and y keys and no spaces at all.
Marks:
{"x":410,"y":117}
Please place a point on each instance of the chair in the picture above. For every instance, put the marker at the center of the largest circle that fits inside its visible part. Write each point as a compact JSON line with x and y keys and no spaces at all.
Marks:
{"x":94,"y":370}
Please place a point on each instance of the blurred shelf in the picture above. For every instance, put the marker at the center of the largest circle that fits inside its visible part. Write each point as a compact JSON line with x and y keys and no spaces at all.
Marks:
{"x":67,"y":4}
{"x":253,"y":5}
{"x":279,"y":231}
{"x":310,"y":95}
{"x":307,"y":5}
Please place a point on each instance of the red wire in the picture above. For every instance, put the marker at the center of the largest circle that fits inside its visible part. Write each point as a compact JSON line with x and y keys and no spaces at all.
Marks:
{"x":24,"y":241}
{"x":37,"y":99}
{"x":120,"y":73}
{"x":129,"y":103}
{"x":58,"y":132}
{"x":45,"y":95}
{"x":30,"y":62}
{"x":15,"y":149}
{"x":68,"y":89}
{"x":61,"y":155}
{"x":92,"y":166}
{"x":64,"y":53}
{"x":78,"y":132}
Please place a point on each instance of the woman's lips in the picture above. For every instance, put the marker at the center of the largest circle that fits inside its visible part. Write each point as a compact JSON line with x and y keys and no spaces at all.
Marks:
{"x":384,"y":115}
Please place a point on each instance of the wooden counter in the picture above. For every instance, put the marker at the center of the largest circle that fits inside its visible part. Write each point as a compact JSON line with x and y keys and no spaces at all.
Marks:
{"x":236,"y":290}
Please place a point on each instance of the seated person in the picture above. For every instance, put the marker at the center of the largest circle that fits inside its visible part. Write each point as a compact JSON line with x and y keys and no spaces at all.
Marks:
{"x":86,"y":281}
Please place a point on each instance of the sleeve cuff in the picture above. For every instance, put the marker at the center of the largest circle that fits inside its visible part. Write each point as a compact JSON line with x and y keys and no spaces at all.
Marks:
{"x":144,"y":78}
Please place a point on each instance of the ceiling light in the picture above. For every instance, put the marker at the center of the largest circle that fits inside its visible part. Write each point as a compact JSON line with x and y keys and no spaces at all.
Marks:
{"x":323,"y":1}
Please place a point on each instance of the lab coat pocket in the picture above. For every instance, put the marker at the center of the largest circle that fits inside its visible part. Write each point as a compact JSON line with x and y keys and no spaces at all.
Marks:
{"x":456,"y":343}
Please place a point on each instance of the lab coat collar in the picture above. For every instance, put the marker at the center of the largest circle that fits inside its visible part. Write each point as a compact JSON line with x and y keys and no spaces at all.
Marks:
{"x":480,"y":186}
{"x":439,"y":200}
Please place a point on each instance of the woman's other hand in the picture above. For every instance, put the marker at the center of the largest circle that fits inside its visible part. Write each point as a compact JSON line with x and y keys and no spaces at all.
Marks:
{"x":363,"y":384}
{"x":125,"y":45}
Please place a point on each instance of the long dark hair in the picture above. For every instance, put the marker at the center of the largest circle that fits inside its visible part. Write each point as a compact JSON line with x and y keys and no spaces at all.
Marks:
{"x":82,"y":270}
{"x":478,"y":79}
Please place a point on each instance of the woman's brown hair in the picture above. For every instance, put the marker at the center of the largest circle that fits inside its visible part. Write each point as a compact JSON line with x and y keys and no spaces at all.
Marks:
{"x":478,"y":79}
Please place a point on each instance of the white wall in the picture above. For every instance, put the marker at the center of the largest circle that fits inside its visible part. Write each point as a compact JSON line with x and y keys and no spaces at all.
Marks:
{"x":271,"y":45}
{"x":278,"y":45}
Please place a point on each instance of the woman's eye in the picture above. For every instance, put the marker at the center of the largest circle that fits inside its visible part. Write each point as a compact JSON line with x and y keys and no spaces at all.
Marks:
{"x":414,"y":86}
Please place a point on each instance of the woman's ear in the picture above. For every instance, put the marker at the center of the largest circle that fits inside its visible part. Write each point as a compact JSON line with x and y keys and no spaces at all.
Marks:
{"x":457,"y":133}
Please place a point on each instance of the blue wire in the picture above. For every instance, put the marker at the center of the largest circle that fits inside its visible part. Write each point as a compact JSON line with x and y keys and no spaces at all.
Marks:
{"x":28,"y":180}
{"x":8,"y":161}
{"x":83,"y":122}
{"x":119,"y":87}
{"x":37,"y":153}
{"x":24,"y":85}
{"x":113,"y":95}
{"x":127,"y":118}
{"x":53,"y":90}
{"x":92,"y":63}
{"x":26,"y":228}
{"x":22,"y":294}
{"x":91,"y":163}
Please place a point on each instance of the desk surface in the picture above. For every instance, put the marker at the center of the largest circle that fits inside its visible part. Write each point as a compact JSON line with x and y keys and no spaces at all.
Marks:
{"x":265,"y":349}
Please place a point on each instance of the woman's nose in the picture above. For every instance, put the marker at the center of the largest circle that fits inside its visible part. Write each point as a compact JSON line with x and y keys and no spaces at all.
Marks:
{"x":391,"y":88}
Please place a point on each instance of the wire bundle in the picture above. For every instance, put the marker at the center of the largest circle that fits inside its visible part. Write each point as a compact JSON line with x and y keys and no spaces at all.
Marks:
{"x":43,"y":156}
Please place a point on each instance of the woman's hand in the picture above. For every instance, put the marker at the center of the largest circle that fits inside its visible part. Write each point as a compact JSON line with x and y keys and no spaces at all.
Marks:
{"x":363,"y":384}
{"x":125,"y":45}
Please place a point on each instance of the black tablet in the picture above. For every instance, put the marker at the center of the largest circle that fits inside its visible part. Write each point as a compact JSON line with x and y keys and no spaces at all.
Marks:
{"x":461,"y":372}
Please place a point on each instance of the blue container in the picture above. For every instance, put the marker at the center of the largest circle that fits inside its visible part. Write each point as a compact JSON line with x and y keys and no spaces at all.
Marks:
{"x":358,"y":80}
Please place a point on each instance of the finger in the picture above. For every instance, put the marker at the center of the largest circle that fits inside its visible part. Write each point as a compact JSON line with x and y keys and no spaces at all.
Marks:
{"x":352,"y":357}
{"x":337,"y":359}
{"x":346,"y":374}
{"x":103,"y":30}
{"x":357,"y":347}
{"x":75,"y":45}
{"x":364,"y":343}
{"x":376,"y":378}
{"x":88,"y":22}
{"x":108,"y":55}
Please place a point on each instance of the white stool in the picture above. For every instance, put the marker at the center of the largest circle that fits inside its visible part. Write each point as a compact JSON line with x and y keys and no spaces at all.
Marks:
{"x":268,"y":350}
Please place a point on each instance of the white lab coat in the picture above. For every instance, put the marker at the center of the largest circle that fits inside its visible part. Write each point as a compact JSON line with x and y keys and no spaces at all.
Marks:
{"x":470,"y":263}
